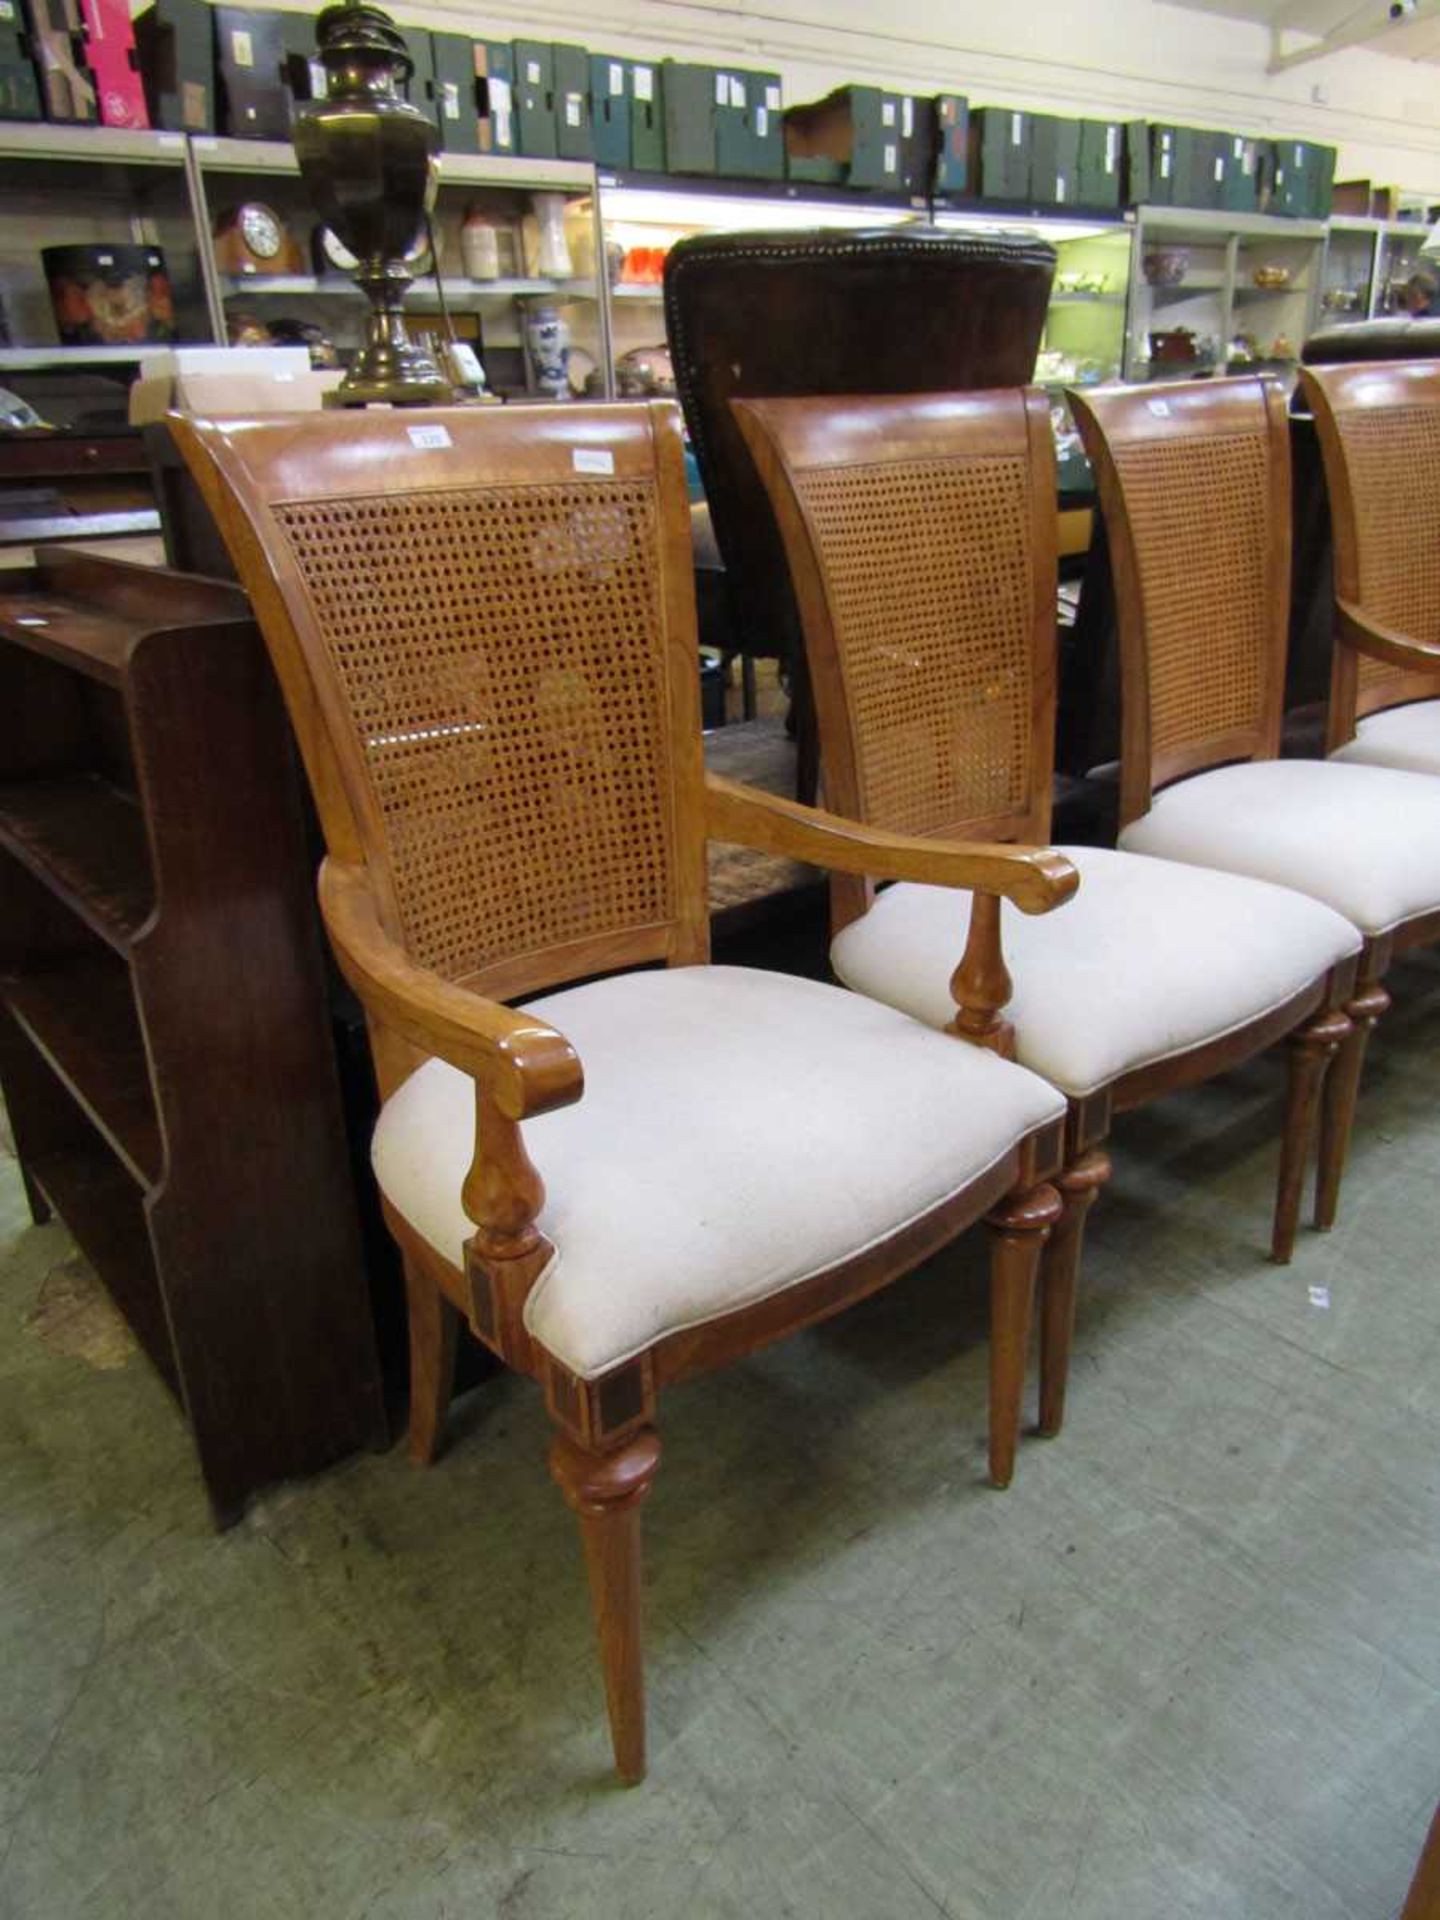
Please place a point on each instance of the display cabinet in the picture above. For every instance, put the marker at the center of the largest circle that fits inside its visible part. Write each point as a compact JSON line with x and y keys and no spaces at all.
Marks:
{"x":1220,"y":292}
{"x":298,"y":281}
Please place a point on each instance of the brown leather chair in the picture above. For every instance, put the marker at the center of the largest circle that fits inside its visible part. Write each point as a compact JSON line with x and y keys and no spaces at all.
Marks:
{"x":776,"y":315}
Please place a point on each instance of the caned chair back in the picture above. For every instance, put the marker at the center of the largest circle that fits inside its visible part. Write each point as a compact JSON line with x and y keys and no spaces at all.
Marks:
{"x":1194,"y":482}
{"x":1379,"y":431}
{"x":920,"y":534}
{"x":483,"y":621}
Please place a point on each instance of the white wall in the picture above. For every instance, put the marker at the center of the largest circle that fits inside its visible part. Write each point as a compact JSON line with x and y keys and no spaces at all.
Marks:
{"x":1131,"y":57}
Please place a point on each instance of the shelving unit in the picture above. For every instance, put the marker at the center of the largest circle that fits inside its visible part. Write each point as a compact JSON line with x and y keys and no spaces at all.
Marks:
{"x":1218,"y":301}
{"x":164,"y":1056}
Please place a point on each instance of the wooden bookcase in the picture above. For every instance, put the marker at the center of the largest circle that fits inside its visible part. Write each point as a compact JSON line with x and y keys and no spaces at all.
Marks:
{"x":164,"y":1052}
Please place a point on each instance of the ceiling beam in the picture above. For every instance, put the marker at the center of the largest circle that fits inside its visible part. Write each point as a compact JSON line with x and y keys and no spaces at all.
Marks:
{"x":1368,"y":25}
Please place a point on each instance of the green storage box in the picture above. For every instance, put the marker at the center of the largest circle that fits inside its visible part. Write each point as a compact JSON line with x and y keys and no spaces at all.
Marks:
{"x":647,"y":118}
{"x":610,"y":110}
{"x":420,"y":88}
{"x":571,"y":67}
{"x":919,"y":144}
{"x":767,"y":128}
{"x":175,"y":40}
{"x":749,"y":136}
{"x":304,"y":74}
{"x":952,"y":156}
{"x":1054,"y":160}
{"x":457,"y":96}
{"x":688,"y":98}
{"x":859,"y":128}
{"x":535,"y":131}
{"x":1101,"y":158}
{"x":19,"y":90}
{"x":495,"y":95}
{"x":1000,"y":153}
{"x":1135,"y":186}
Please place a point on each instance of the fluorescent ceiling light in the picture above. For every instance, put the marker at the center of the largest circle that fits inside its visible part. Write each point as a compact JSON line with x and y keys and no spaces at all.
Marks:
{"x":713,"y":212}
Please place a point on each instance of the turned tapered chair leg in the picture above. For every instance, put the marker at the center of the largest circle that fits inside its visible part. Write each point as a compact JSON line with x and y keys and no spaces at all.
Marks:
{"x":1312,"y":1050}
{"x":605,"y":1491}
{"x":1342,"y":1087}
{"x":1079,"y":1187}
{"x":1019,"y":1228}
{"x":434,"y":1323}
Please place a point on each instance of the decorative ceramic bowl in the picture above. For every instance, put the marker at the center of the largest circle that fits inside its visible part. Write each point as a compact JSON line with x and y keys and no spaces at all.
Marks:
{"x":1271,"y":279}
{"x":1167,"y":267}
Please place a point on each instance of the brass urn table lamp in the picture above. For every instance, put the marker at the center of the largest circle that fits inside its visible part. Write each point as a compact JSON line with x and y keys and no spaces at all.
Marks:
{"x":368,"y":161}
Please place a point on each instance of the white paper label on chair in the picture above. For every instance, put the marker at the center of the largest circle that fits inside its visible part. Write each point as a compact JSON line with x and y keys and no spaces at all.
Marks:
{"x":592,"y":460}
{"x":1160,"y":408}
{"x":428,"y":439}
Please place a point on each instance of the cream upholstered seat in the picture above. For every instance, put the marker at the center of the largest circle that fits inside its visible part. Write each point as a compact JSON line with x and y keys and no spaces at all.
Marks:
{"x":1379,"y":432}
{"x":485,"y":630}
{"x":1406,"y":738}
{"x":1366,"y":840}
{"x":721,"y":1107}
{"x":1149,"y":962}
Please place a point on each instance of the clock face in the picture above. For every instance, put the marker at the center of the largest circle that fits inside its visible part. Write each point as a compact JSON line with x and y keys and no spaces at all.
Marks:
{"x":261,"y":231}
{"x":336,"y":255}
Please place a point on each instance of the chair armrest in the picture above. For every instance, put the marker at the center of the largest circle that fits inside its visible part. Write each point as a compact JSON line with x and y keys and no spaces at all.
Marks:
{"x":525,"y":1065}
{"x":1378,"y":642}
{"x":1036,"y":879}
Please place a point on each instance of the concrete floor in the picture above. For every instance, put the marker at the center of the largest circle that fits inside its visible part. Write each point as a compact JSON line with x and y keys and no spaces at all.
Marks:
{"x":1188,"y":1666}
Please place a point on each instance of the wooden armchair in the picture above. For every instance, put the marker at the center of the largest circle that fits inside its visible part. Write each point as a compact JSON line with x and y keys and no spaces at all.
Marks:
{"x":1195,"y":486}
{"x":1379,"y":429}
{"x":484,"y":627}
{"x":921,"y":537}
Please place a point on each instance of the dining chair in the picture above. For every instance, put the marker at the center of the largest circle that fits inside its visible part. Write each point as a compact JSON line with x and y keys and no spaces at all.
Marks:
{"x":1194,"y":482}
{"x":921,"y":538}
{"x":1379,"y":431}
{"x":898,"y":309}
{"x":483,"y":624}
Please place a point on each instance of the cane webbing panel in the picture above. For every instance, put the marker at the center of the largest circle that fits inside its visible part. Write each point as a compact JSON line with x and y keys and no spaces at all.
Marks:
{"x":927,"y":571}
{"x":1393,"y":455}
{"x":500,"y":653}
{"x":1198,"y":510}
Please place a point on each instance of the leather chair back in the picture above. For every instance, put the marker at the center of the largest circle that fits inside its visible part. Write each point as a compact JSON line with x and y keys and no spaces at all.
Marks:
{"x":782,"y":315}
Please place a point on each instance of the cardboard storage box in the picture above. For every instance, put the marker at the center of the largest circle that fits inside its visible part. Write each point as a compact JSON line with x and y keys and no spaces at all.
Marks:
{"x":952,"y":155}
{"x":749,"y":132}
{"x":689,"y":95}
{"x":854,"y":129}
{"x":1101,"y":157}
{"x":610,"y":110}
{"x":175,"y":42}
{"x":647,"y":118}
{"x":111,"y":56}
{"x":1054,"y":160}
{"x":1000,"y":153}
{"x":456,"y":93}
{"x":535,"y":131}
{"x":250,"y":71}
{"x":495,"y":95}
{"x":227,"y":380}
{"x":571,"y":66}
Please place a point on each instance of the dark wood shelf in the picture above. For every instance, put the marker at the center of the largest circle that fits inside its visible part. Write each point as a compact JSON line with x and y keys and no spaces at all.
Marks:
{"x":85,"y":840}
{"x":81,"y":1017}
{"x":105,"y":1212}
{"x":165,"y":1052}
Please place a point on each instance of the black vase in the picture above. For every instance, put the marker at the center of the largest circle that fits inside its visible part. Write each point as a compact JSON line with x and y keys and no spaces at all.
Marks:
{"x":368,"y":161}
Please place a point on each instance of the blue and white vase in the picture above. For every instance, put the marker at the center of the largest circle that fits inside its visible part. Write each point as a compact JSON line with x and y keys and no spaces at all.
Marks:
{"x":548,"y":339}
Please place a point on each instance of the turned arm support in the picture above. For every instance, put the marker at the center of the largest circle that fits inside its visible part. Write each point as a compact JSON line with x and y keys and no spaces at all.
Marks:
{"x":525,"y":1066}
{"x":1379,"y":642}
{"x":1036,"y":879}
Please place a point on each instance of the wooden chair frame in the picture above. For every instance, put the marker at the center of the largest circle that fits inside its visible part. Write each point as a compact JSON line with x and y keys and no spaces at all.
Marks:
{"x":1373,"y":665}
{"x":1190,"y":411}
{"x":790,"y":437}
{"x":606,"y":1450}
